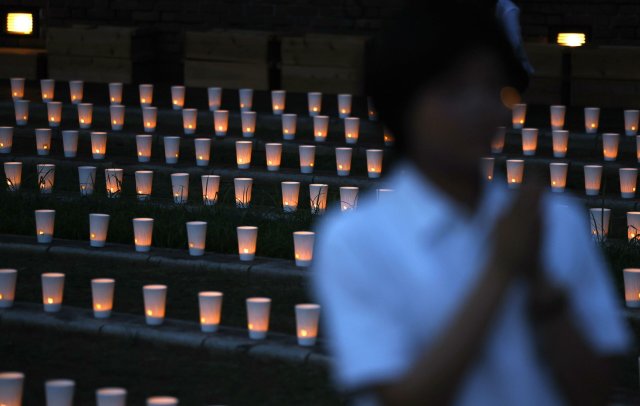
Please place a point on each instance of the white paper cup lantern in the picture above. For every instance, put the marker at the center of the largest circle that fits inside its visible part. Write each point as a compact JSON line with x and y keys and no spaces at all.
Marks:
{"x":303,"y":247}
{"x":7,"y":287}
{"x":221,"y":122}
{"x":374,"y":163}
{"x":273,"y":152}
{"x":45,"y":220}
{"x":114,"y":178}
{"x":85,"y":115}
{"x":248,"y":120}
{"x":46,"y":177}
{"x":52,"y":291}
{"x":258,"y":309}
{"x":314,"y":100}
{"x":210,"y":189}
{"x":21,"y":108}
{"x":371,"y":110}
{"x":343,"y":161}
{"x":144,"y":184}
{"x":47,"y":89}
{"x":246,"y":99}
{"x":610,"y":142}
{"x":13,"y":175}
{"x":202,"y":151}
{"x":86,"y":179}
{"x":638,"y":147}
{"x":497,"y":142}
{"x":344,"y":105}
{"x":155,"y":298}
{"x":98,"y":144}
{"x":189,"y":121}
{"x":560,"y":140}
{"x":171,"y":149}
{"x":631,"y":122}
{"x":243,"y":154}
{"x":98,"y":228}
{"x":247,"y":240}
{"x":557,"y":116}
{"x":146,"y":95}
{"x":628,"y":182}
{"x":289,"y":126}
{"x":162,"y":401}
{"x":142,"y":234}
{"x":116,"y":111}
{"x":320,"y":128}
{"x":59,"y":392}
{"x":54,"y":114}
{"x":558,"y":172}
{"x":632,"y":287}
{"x":351,"y":129}
{"x":70,"y":143}
{"x":592,"y":179}
{"x":111,"y":397}
{"x":307,"y":317}
{"x":518,"y":115}
{"x":307,"y":154}
{"x":529,"y":141}
{"x":515,"y":173}
{"x":11,"y":384}
{"x":487,"y":165}
{"x":76,"y":91}
{"x":143,"y":146}
{"x":180,"y":187}
{"x":17,"y":88}
{"x":210,"y":304}
{"x":102,"y":297}
{"x":149,"y":118}
{"x":633,"y":225}
{"x":214,"y":96}
{"x":43,"y":141}
{"x":290,"y":196}
{"x":197,"y":236}
{"x":177,"y":97}
{"x":278,"y":101}
{"x":599,"y":219}
{"x":591,"y":119}
{"x":6,"y":139}
{"x":318,"y":197}
{"x":243,"y":187}
{"x":115,"y":93}
{"x":348,"y":198}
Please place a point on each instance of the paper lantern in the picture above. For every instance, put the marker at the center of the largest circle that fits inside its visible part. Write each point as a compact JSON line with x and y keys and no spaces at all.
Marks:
{"x":558,"y":172}
{"x":631,"y":122}
{"x":210,"y":304}
{"x":388,"y":138}
{"x":146,"y":95}
{"x":289,"y":124}
{"x":290,"y":195}
{"x":243,"y":188}
{"x":6,"y":140}
{"x":633,"y":225}
{"x":17,"y":88}
{"x":343,"y":161}
{"x":518,"y":115}
{"x":114,"y":177}
{"x":115,"y":93}
{"x":197,"y":237}
{"x":557,"y":116}
{"x":144,"y":184}
{"x":59,"y":392}
{"x":307,"y":154}
{"x":149,"y":118}
{"x":628,"y":181}
{"x":11,"y":384}
{"x":76,"y":88}
{"x":180,"y":187}
{"x":102,"y":297}
{"x":155,"y":298}
{"x":54,"y":114}
{"x":278,"y":101}
{"x":86,"y":179}
{"x":610,"y":143}
{"x":142,"y":234}
{"x":592,"y":179}
{"x":632,"y":287}
{"x":515,"y":173}
{"x":52,"y":291}
{"x":7,"y":287}
{"x":111,"y":397}
{"x":247,"y":239}
{"x":202,"y":150}
{"x":98,"y":228}
{"x":303,"y":247}
{"x":497,"y":142}
{"x":320,"y":128}
{"x":171,"y":149}
{"x":21,"y":108}
{"x":374,"y":163}
{"x":371,"y":110}
{"x":47,"y":89}
{"x":214,"y":96}
{"x":529,"y":141}
{"x":46,"y":177}
{"x":13,"y":175}
{"x":70,"y":143}
{"x":162,"y":401}
{"x":258,"y":309}
{"x":591,"y":119}
{"x":210,"y":189}
{"x":318,"y":197}
{"x":314,"y":100}
{"x":600,"y":218}
{"x":273,"y":152}
{"x":221,"y":122}
{"x":189,"y":121}
{"x":143,"y":146}
{"x":98,"y":144}
{"x":117,"y":116}
{"x":487,"y":165}
{"x":307,"y":316}
{"x":177,"y":97}
{"x":246,"y":99}
{"x":43,"y":141}
{"x":243,"y":154}
{"x":560,"y":143}
{"x":351,"y":129}
{"x":248,"y":119}
{"x":348,"y":198}
{"x":344,"y":105}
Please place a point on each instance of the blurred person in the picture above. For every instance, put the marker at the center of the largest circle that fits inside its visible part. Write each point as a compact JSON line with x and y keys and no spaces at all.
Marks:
{"x":452,"y":290}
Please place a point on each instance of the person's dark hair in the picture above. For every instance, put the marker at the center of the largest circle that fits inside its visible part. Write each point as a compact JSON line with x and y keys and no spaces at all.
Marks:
{"x":428,"y":39}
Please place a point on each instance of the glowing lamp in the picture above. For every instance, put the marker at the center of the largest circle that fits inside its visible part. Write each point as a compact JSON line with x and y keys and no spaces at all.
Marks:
{"x":197,"y":237}
{"x":144,"y":184}
{"x":102,"y":297}
{"x":116,"y":112}
{"x":307,"y":154}
{"x":47,"y":88}
{"x":17,"y":88}
{"x":210,"y":305}
{"x":70,"y":143}
{"x":86,"y":179}
{"x":518,"y":115}
{"x":11,"y":384}
{"x":633,"y":225}
{"x":59,"y":392}
{"x":344,"y":105}
{"x":98,"y":228}
{"x":142,"y":234}
{"x":372,"y":113}
{"x":19,"y":23}
{"x":557,"y":116}
{"x":348,"y":198}
{"x":143,"y":146}
{"x":558,"y":175}
{"x":214,"y":98}
{"x":560,"y":139}
{"x":146,"y":95}
{"x":7,"y":287}
{"x":290,"y":195}
{"x":171,"y":149}
{"x":242,"y":190}
{"x":343,"y":161}
{"x":258,"y":309}
{"x":221,"y":122}
{"x":571,"y":39}
{"x":314,"y":100}
{"x":13,"y":175}
{"x":388,"y":138}
{"x":273,"y":152}
{"x":318,"y":197}
{"x":631,"y":122}
{"x":303,"y":247}
{"x":111,"y":397}
{"x":638,"y":147}
{"x":529,"y":141}
{"x":21,"y":108}
{"x":307,"y":316}
{"x":177,"y":97}
{"x":114,"y":177}
{"x":43,"y":141}
{"x":180,"y":187}
{"x":247,"y":239}
{"x":591,"y":119}
{"x":202,"y":151}
{"x":52,"y":291}
{"x":98,"y":144}
{"x":278,"y":101}
{"x":515,"y":173}
{"x":246,"y":99}
{"x":628,"y":182}
{"x":320,"y":128}
{"x":162,"y":401}
{"x":610,"y":142}
{"x":149,"y":118}
{"x":76,"y":90}
{"x":46,"y":177}
{"x":497,"y":142}
{"x":54,"y":113}
{"x":487,"y":165}
{"x":243,"y":154}
{"x":289,"y":124}
{"x":351,"y":129}
{"x":210,"y":189}
{"x":189,"y":121}
{"x":599,"y":219}
{"x":631,"y":287}
{"x":374,"y":163}
{"x":115,"y":93}
{"x":6,"y":139}
{"x":592,"y":179}
{"x":155,"y":298}
{"x":248,"y":120}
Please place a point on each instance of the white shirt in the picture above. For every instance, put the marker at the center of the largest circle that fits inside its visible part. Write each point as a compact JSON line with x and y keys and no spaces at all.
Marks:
{"x":392,"y":273}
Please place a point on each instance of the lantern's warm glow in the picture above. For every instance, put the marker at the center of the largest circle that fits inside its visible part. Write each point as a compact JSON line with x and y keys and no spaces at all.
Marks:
{"x":518,"y":115}
{"x":632,"y":287}
{"x":46,"y":177}
{"x":278,"y":98}
{"x":202,"y":151}
{"x":248,"y":120}
{"x":591,"y":119}
{"x":343,"y":161}
{"x":515,"y":173}
{"x":180,"y":187}
{"x":371,"y":110}
{"x":111,"y":397}
{"x":43,"y":141}
{"x":318,"y":197}
{"x":155,"y":297}
{"x":307,"y":316}
{"x":142,"y":233}
{"x":6,"y":139}
{"x":628,"y":182}
{"x":307,"y":154}
{"x":374,"y":163}
{"x":102,"y":297}
{"x":243,"y":154}
{"x":59,"y":392}
{"x":529,"y":141}
{"x":351,"y":129}
{"x":571,"y":39}
{"x":13,"y":175}
{"x":610,"y":142}
{"x":47,"y":88}
{"x":247,"y":240}
{"x":12,"y":385}
{"x":560,"y":143}
{"x":557,"y":116}
{"x":162,"y":401}
{"x":487,"y":167}
{"x":599,"y":219}
{"x":70,"y":143}
{"x":314,"y":100}
{"x":631,"y":118}
{"x":189,"y":121}
{"x":113,"y":177}
{"x":20,"y":23}
{"x":273,"y":152}
{"x":86,"y":179}
{"x":115,"y":93}
{"x":344,"y":105}
{"x":98,"y":144}
{"x":558,"y":176}
{"x":497,"y":142}
{"x":320,"y":128}
{"x":171,"y":149}
{"x":246,"y":99}
{"x":197,"y":237}
{"x":289,"y":124}
{"x":210,"y":189}
{"x":144,"y":184}
{"x":117,"y":116}
{"x":221,"y":122}
{"x":21,"y":108}
{"x":177,"y":97}
{"x":348,"y":198}
{"x":303,"y":247}
{"x":592,"y":179}
{"x":98,"y":228}
{"x":17,"y":88}
{"x":149,"y":118}
{"x":258,"y":309}
{"x":210,"y":304}
{"x":54,"y":113}
{"x":143,"y":146}
{"x":389,"y":139}
{"x":243,"y":187}
{"x":290,"y":196}
{"x":146,"y":95}
{"x":7,"y":287}
{"x":52,"y":291}
{"x":633,"y":225}
{"x":76,"y":91}
{"x":214,"y":96}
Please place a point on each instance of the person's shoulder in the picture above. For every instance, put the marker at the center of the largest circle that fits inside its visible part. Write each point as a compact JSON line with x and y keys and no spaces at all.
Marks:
{"x":563,"y":209}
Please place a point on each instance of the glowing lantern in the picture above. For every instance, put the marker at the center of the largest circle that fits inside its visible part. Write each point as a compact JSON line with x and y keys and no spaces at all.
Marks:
{"x":344,"y":105}
{"x":117,"y":116}
{"x":289,"y":124}
{"x":144,"y":184}
{"x":571,"y":39}
{"x":628,"y":182}
{"x":149,"y":118}
{"x":98,"y":228}
{"x":98,"y":144}
{"x":591,"y":119}
{"x":11,"y":384}
{"x":202,"y":150}
{"x":76,"y":88}
{"x":143,"y":146}
{"x":7,"y":287}
{"x":248,"y":119}
{"x":273,"y":152}
{"x":388,"y":138}
{"x":638,"y":147}
{"x":592,"y":179}
{"x":102,"y":297}
{"x":17,"y":88}
{"x":142,"y":234}
{"x":155,"y":298}
{"x":610,"y":142}
{"x":515,"y":173}
{"x":6,"y":139}
{"x":374,"y":163}
{"x":246,"y":99}
{"x":115,"y":93}
{"x":54,"y":113}
{"x":600,"y":218}
{"x":162,"y":401}
{"x":351,"y":129}
{"x":290,"y":195}
{"x":348,"y":198}
{"x":631,"y":122}
{"x":59,"y":392}
{"x":343,"y":161}
{"x":243,"y":188}
{"x":111,"y":397}
{"x":210,"y":304}
{"x":278,"y":101}
{"x":43,"y":141}
{"x":221,"y":122}
{"x":70,"y":143}
{"x":497,"y":142}
{"x":307,"y":316}
{"x":210,"y":189}
{"x":171,"y":149}
{"x":371,"y":110}
{"x":13,"y":175}
{"x":529,"y":141}
{"x":47,"y":88}
{"x":114,"y":177}
{"x":314,"y":99}
{"x":632,"y":287}
{"x":247,"y":239}
{"x":258,"y":309}
{"x":303,"y":247}
{"x":518,"y":115}
{"x":86,"y":179}
{"x":633,"y":225}
{"x":197,"y":237}
{"x":189,"y":121}
{"x":46,"y":177}
{"x":52,"y":291}
{"x":243,"y":154}
{"x":214,"y":96}
{"x":557,"y":116}
{"x":146,"y":95}
{"x":320,"y":128}
{"x":560,"y":143}
{"x":21,"y":108}
{"x":318,"y":197}
{"x":558,"y":172}
{"x":180,"y":187}
{"x":307,"y":154}
{"x":177,"y":97}
{"x":487,"y":165}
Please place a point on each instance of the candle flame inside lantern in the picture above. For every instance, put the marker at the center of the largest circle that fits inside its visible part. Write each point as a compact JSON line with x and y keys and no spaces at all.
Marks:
{"x":149,"y":313}
{"x":303,"y":333}
{"x":49,"y":300}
